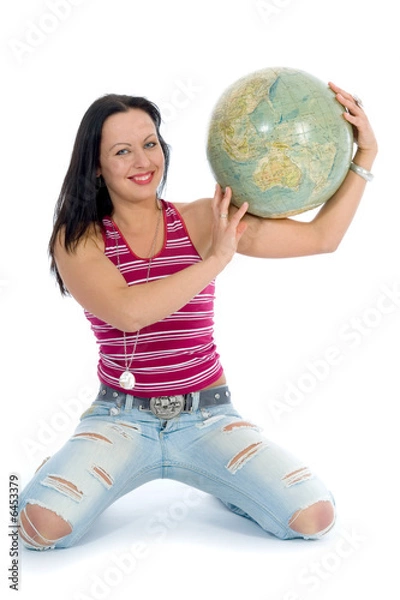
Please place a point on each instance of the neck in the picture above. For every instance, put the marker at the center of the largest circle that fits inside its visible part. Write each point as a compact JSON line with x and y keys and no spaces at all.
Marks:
{"x":137,"y":217}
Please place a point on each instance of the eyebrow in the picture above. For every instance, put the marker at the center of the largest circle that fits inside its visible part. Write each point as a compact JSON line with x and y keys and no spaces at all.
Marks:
{"x":128,"y":144}
{"x":120,"y":144}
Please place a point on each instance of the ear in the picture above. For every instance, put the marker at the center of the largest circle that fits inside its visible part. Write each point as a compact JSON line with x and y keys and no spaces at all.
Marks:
{"x":98,"y":172}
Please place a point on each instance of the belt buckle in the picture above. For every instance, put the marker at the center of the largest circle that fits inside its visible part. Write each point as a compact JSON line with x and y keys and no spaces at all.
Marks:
{"x":167,"y":407}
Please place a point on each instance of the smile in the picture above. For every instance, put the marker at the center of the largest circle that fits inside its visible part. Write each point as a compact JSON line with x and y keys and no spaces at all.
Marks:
{"x":142,"y":179}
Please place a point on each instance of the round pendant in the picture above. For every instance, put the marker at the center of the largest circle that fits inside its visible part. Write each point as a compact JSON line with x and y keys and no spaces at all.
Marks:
{"x":127,"y":380}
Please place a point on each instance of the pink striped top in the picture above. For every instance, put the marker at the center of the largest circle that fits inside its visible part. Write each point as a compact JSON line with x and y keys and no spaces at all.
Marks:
{"x":176,"y":355}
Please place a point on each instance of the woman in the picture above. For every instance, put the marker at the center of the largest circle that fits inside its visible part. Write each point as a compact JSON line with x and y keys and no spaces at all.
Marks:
{"x":143,"y":270}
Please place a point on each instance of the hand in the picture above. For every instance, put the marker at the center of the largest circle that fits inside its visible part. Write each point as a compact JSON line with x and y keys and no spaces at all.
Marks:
{"x":228,"y":226}
{"x":363,"y":133}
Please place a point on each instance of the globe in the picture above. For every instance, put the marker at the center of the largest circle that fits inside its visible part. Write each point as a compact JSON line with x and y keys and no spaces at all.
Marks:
{"x":278,"y":138}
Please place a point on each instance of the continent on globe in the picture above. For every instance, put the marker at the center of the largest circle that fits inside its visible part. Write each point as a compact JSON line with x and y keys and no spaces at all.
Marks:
{"x":278,"y":138}
{"x":277,"y":169}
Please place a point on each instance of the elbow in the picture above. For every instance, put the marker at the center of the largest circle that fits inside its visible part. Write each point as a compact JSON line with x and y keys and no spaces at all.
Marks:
{"x":132,"y":323}
{"x":330,"y":246}
{"x":125,"y":315}
{"x":123,"y":320}
{"x":327,"y":244}
{"x":327,"y":239}
{"x":127,"y":323}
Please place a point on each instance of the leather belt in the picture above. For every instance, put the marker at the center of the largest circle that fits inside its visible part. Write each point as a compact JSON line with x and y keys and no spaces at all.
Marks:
{"x":165,"y":407}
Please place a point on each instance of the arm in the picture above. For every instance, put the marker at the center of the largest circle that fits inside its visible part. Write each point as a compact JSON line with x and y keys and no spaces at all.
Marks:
{"x":96,"y":284}
{"x":267,"y":238}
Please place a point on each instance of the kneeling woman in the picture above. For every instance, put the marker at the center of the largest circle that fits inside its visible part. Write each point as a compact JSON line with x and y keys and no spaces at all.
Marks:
{"x":143,"y":269}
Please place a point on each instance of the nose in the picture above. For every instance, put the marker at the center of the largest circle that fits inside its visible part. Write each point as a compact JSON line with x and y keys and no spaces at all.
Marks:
{"x":140,"y":159}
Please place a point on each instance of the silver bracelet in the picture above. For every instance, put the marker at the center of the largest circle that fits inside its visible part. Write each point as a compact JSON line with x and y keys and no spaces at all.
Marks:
{"x":367,"y":175}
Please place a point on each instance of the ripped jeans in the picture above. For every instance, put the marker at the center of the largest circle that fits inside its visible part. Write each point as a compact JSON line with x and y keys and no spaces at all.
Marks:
{"x":115,"y":450}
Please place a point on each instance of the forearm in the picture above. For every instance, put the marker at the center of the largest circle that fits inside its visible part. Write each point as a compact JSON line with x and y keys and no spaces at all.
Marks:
{"x":285,"y":238}
{"x":144,"y":304}
{"x":334,"y":218}
{"x":102,"y":290}
{"x":148,"y":303}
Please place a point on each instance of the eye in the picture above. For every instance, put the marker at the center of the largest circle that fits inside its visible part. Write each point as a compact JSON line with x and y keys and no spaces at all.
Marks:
{"x":150,"y":144}
{"x":122,"y":152}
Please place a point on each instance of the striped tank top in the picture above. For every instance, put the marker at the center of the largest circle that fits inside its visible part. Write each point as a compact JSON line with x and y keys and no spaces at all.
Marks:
{"x":176,"y":355}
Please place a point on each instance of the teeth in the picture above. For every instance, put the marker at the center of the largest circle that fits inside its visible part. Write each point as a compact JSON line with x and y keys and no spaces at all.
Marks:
{"x":143,"y":178}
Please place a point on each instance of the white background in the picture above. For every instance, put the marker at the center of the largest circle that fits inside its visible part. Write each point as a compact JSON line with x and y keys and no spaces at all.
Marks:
{"x":275,"y":319}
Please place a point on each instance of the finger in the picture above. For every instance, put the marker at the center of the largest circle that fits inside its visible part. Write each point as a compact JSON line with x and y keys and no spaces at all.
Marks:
{"x":239,"y":214}
{"x":217,"y":197}
{"x":219,"y":192}
{"x":225,"y":202}
{"x":338,"y":90}
{"x":353,"y":120}
{"x":238,"y":223}
{"x":217,"y":203}
{"x":350,"y":105}
{"x":347,"y":100}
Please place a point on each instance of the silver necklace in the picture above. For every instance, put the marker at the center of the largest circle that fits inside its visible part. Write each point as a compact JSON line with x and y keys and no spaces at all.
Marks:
{"x":127,"y":379}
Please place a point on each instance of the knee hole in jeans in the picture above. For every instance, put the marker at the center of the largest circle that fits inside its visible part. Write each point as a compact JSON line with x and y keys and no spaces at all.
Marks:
{"x":40,"y":527}
{"x":316,"y":519}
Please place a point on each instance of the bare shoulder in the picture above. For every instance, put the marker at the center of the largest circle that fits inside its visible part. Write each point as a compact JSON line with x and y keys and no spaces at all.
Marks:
{"x":90,"y":243}
{"x":198,"y":217}
{"x":90,"y":277}
{"x":194,"y":208}
{"x":76,"y":265}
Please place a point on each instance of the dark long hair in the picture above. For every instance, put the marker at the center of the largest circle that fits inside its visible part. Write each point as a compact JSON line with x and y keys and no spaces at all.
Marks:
{"x":84,"y":199}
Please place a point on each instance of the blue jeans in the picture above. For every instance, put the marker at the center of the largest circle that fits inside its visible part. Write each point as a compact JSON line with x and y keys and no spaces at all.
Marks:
{"x":212,"y":449}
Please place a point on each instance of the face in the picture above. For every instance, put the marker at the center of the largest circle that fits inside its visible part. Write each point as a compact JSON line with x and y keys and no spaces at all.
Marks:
{"x":131,"y":157}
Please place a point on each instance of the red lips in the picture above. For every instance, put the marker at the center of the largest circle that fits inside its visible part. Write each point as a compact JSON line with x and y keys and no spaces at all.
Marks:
{"x":142,"y":178}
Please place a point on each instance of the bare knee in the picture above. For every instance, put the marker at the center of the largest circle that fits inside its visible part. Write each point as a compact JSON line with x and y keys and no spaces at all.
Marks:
{"x":41,"y":527}
{"x":315,"y":519}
